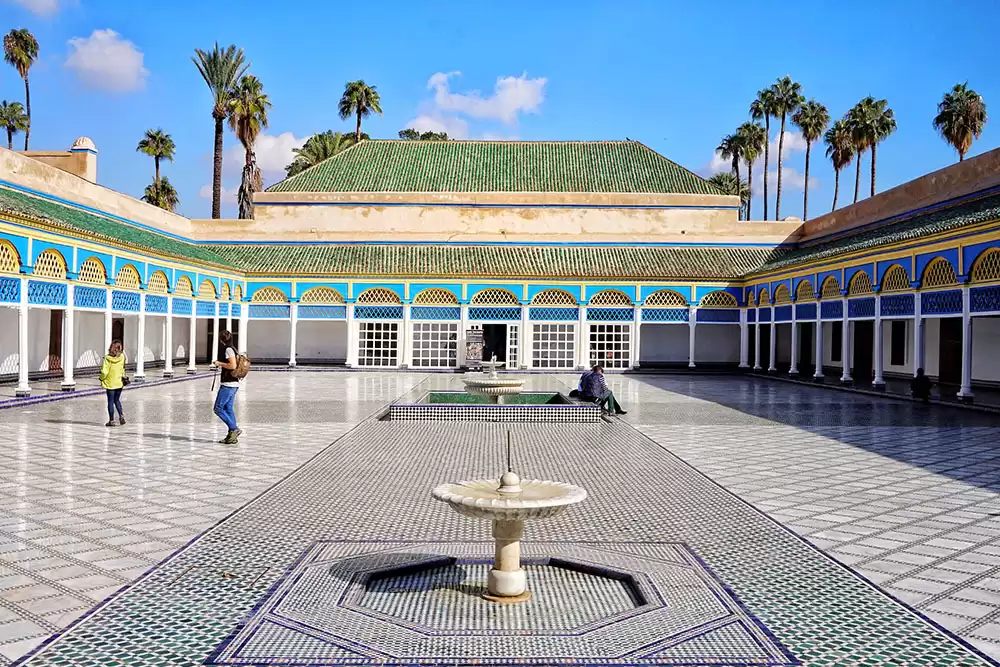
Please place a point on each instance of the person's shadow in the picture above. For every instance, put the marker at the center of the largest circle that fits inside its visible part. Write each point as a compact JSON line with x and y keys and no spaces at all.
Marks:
{"x":147,"y":434}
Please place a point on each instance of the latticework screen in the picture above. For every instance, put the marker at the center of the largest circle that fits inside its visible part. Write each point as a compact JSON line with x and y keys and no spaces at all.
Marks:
{"x":128,"y":277}
{"x":435,"y":296}
{"x":324,"y":295}
{"x":665,"y":299}
{"x":610,"y":297}
{"x":50,"y":264}
{"x":719,"y":299}
{"x":495,"y":297}
{"x":379,"y":296}
{"x":831,"y":288}
{"x":939,"y":273}
{"x":91,"y":272}
{"x":987,"y":267}
{"x":782,"y":296}
{"x":10,"y":261}
{"x":804,"y":292}
{"x":895,"y":279}
{"x":225,"y":292}
{"x":269,"y":295}
{"x":184,"y":287}
{"x":861,"y":283}
{"x":206,"y":290}
{"x":553,"y":297}
{"x":157,"y":283}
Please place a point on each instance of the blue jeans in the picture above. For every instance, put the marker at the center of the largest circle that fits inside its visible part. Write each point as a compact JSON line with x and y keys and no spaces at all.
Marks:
{"x":224,"y":406}
{"x":114,"y":401}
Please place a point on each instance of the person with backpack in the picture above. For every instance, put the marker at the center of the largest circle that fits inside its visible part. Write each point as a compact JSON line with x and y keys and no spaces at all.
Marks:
{"x":233,"y":371}
{"x":113,"y":380}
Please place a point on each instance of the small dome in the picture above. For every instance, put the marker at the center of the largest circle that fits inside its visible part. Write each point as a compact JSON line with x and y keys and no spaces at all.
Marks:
{"x":510,"y":479}
{"x":83,"y":144}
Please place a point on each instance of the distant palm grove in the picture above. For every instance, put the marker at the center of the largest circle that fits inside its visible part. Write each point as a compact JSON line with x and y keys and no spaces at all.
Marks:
{"x":960,"y":120}
{"x":239,"y":101}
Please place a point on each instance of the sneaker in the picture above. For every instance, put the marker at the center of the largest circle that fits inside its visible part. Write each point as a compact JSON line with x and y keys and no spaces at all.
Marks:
{"x":121,"y":421}
{"x":622,"y":412}
{"x":111,"y":423}
{"x":236,"y":434}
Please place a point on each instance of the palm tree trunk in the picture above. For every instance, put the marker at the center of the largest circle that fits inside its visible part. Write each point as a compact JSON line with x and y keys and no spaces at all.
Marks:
{"x":767,"y":143}
{"x":805,"y":189}
{"x":857,"y":179}
{"x":156,"y":180}
{"x":781,"y":144}
{"x":749,"y":187}
{"x":873,"y":168}
{"x":357,"y":131}
{"x":961,"y":156}
{"x":27,"y":104}
{"x":736,"y":168}
{"x":10,"y":139}
{"x":217,"y":172}
{"x":836,"y":189}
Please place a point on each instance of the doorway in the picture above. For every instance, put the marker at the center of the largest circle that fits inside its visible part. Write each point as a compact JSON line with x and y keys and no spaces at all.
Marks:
{"x":56,"y":340}
{"x":765,"y":346}
{"x":807,"y":345}
{"x":864,"y":357}
{"x":495,"y":342}
{"x":118,"y":329}
{"x":950,"y":351}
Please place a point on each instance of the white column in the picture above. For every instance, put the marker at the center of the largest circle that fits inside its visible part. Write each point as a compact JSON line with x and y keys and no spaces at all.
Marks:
{"x":965,"y":392}
{"x":463,"y":326}
{"x":845,"y":347}
{"x":293,"y":337}
{"x":692,"y":327}
{"x":244,"y":326}
{"x":140,"y":358}
{"x":582,"y":340}
{"x":192,"y":337}
{"x":214,"y":352}
{"x":525,"y":348}
{"x":229,"y":318}
{"x":69,"y":340}
{"x":756,"y":340}
{"x":818,"y":352}
{"x":744,"y":339}
{"x":168,"y":339}
{"x":794,"y":368}
{"x":107,"y":321}
{"x":406,"y":343}
{"x":918,"y":333}
{"x":771,"y":367}
{"x":352,"y":337}
{"x":878,"y":382}
{"x":23,"y":388}
{"x":636,"y":335}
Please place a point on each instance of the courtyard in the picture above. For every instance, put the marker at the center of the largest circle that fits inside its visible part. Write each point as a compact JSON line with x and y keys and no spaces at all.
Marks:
{"x":840,"y":528}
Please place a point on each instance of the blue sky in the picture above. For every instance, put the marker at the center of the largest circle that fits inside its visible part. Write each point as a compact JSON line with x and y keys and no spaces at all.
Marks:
{"x":676,"y":76}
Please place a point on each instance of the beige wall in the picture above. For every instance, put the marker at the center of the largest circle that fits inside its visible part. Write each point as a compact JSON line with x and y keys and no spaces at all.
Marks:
{"x":78,"y":163}
{"x":30,"y":173}
{"x":963,"y":178}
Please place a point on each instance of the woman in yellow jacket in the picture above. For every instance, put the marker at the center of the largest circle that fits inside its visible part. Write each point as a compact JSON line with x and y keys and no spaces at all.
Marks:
{"x":113,"y":380}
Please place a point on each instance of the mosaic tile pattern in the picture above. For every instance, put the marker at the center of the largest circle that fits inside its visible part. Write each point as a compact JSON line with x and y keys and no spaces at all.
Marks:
{"x":374,"y":483}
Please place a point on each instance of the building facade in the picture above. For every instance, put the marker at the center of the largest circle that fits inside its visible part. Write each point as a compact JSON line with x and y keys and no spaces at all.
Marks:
{"x":560,"y":254}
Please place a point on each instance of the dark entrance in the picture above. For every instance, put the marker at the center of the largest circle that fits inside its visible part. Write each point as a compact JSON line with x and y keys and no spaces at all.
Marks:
{"x":495,"y":342}
{"x":950,"y":351}
{"x":56,"y":340}
{"x":765,"y":347}
{"x":864,"y":342}
{"x":118,"y":329}
{"x":751,"y":341}
{"x":807,"y":343}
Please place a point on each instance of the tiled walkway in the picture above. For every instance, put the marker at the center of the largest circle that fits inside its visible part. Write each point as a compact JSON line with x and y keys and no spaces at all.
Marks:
{"x":908,"y":496}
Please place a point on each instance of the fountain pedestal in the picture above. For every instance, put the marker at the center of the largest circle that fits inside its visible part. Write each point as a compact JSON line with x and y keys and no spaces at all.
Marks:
{"x":506,"y":581}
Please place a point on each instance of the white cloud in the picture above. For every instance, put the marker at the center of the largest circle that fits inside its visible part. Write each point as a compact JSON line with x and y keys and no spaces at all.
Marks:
{"x":273,"y":151}
{"x":228,"y":194}
{"x":511,"y":96}
{"x":108,"y":61}
{"x":40,"y":7}
{"x":436,"y":122}
{"x":791,"y":178}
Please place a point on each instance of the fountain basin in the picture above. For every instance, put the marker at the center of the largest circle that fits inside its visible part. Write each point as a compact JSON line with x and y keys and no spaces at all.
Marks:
{"x":480,"y":499}
{"x":524,"y":407}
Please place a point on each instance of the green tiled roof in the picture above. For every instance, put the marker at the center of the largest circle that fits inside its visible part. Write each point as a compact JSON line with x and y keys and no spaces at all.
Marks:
{"x":102,"y":228}
{"x":497,"y":166}
{"x":920,"y":225}
{"x":644,"y":262}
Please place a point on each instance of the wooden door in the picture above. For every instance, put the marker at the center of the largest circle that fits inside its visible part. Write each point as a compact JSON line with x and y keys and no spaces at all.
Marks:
{"x":950,"y":351}
{"x":55,"y":340}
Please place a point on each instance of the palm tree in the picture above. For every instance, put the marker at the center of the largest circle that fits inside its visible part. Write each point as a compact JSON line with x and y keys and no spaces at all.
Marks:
{"x":247,"y":117}
{"x":787,"y":98}
{"x":731,"y":148}
{"x":872,"y":122}
{"x":763,"y":107}
{"x":961,"y":117}
{"x":728,"y":184}
{"x":318,"y":148}
{"x":13,"y":119}
{"x":359,"y":99}
{"x":811,"y":119}
{"x":20,"y":50}
{"x":221,"y":69}
{"x":158,"y":145}
{"x":840,"y":149}
{"x":161,"y":193}
{"x":415,"y":135}
{"x":859,"y":141}
{"x":753,"y":139}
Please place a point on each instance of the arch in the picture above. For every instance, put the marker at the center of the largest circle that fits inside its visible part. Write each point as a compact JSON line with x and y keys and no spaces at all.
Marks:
{"x":10,"y":260}
{"x":379,"y":296}
{"x":158,"y":283}
{"x":92,"y":272}
{"x":553,"y":297}
{"x":719,"y":299}
{"x":782,"y":295}
{"x":322,"y":295}
{"x":611,"y":297}
{"x":666,"y":298}
{"x":987,"y":267}
{"x":128,"y":277}
{"x":494,"y":296}
{"x":939,"y":273}
{"x":831,"y":288}
{"x":238,"y":293}
{"x":184,"y":287}
{"x":225,"y":291}
{"x":269,"y":295}
{"x":895,"y":279}
{"x":763,"y":297}
{"x":51,"y":264}
{"x":435,"y":296}
{"x":861,"y":283}
{"x":207,"y":289}
{"x":805,"y":292}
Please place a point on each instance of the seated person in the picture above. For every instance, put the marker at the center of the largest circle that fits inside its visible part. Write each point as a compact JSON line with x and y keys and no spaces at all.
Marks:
{"x":920,"y":386}
{"x":593,"y":388}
